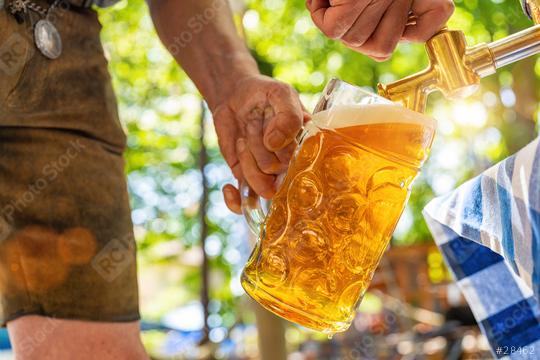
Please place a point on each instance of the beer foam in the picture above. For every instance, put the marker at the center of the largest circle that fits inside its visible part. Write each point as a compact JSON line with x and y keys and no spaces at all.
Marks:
{"x":342,"y":116}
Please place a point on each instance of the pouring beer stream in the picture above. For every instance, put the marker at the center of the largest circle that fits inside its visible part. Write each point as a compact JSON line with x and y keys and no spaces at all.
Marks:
{"x":455,"y":69}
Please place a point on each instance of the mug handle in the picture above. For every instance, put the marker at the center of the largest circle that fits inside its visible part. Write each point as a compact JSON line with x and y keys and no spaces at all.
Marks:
{"x":252,"y":209}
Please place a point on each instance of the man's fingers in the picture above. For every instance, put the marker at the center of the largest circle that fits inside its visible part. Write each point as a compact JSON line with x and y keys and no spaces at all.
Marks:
{"x":306,"y":114}
{"x":335,"y":18}
{"x":282,"y":128}
{"x":284,"y":155}
{"x":232,"y":199}
{"x":366,"y":24}
{"x":266,"y":160}
{"x":389,"y":31}
{"x":225,"y":124}
{"x":237,"y":171}
{"x":431,"y":15}
{"x":373,"y":27}
{"x":261,"y":183}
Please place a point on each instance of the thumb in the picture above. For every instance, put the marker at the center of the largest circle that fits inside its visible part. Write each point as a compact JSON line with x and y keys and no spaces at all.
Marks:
{"x":232,"y":199}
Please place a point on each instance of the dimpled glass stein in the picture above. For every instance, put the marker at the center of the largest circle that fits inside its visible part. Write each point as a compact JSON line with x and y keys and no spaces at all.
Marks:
{"x":336,"y":209}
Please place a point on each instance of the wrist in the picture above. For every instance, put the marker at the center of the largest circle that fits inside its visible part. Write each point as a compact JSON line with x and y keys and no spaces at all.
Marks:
{"x":233,"y":68}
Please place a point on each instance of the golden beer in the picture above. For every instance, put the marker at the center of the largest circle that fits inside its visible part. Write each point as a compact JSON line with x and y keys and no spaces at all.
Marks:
{"x":334,"y":214}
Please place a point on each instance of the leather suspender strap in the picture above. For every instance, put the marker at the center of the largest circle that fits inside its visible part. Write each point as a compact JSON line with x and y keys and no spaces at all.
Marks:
{"x":86,"y":4}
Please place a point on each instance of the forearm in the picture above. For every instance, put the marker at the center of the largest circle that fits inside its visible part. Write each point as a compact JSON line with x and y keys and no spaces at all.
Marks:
{"x":201,"y":36}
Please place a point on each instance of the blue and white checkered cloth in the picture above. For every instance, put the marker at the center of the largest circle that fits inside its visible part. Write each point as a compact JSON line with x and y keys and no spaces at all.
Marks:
{"x":489,"y":233}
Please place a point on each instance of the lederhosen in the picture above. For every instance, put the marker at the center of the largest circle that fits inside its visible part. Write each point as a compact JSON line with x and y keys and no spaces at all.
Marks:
{"x":66,"y":238}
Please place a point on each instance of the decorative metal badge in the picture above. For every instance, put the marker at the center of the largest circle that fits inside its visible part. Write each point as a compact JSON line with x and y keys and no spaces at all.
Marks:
{"x":48,"y":39}
{"x":46,"y":36}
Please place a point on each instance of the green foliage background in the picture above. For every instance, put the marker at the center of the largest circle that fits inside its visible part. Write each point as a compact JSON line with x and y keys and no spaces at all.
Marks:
{"x":161,"y":110}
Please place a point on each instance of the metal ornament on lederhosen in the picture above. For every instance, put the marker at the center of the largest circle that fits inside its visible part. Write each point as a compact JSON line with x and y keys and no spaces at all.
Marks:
{"x":46,"y":36}
{"x":47,"y":39}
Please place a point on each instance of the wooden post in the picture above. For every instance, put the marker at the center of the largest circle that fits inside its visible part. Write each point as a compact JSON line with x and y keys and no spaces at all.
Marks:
{"x":270,"y":330}
{"x":203,"y":161}
{"x":271,"y":334}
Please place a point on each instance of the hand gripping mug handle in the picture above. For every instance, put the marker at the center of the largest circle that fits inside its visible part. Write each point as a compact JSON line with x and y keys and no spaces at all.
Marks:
{"x":252,"y":209}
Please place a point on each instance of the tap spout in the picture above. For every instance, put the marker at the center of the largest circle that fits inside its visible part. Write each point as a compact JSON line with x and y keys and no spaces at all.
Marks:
{"x":448,"y":72}
{"x":456,"y":69}
{"x":516,"y":47}
{"x":413,"y":91}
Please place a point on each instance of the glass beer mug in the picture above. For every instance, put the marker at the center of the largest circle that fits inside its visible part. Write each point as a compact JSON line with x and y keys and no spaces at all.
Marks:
{"x":336,"y":209}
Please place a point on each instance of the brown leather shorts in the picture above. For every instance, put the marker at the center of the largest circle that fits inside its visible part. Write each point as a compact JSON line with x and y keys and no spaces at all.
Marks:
{"x":66,"y":238}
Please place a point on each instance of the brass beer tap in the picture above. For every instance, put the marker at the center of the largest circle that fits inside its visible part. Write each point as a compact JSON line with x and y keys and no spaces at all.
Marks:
{"x":456,"y":69}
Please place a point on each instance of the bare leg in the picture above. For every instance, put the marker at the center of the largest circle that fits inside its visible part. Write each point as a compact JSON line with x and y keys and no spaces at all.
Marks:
{"x":38,"y":337}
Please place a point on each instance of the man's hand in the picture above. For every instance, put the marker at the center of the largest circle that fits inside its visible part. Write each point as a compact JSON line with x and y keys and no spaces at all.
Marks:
{"x":257,"y":118}
{"x":375,"y":27}
{"x":257,"y":126}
